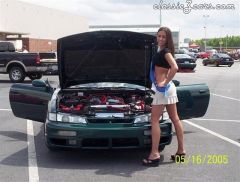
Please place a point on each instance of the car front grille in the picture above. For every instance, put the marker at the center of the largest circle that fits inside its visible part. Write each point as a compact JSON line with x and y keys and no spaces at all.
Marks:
{"x":114,"y":120}
{"x":112,"y":143}
{"x":183,"y":60}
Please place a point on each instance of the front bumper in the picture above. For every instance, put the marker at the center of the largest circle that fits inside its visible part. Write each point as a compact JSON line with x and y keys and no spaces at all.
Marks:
{"x":186,"y":65}
{"x":226,"y":62}
{"x":104,"y":136}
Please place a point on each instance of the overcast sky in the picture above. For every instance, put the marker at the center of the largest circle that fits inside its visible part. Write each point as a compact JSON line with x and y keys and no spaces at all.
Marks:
{"x":190,"y":22}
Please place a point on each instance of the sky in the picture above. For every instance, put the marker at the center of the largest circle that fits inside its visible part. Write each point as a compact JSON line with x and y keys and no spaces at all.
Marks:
{"x":188,"y":16}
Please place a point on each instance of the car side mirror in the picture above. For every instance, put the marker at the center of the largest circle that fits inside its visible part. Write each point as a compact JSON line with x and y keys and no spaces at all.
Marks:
{"x":176,"y":83}
{"x":39,"y":83}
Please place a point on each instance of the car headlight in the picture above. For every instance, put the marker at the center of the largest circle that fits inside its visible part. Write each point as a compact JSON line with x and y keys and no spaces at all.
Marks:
{"x":66,"y":118}
{"x":143,"y":118}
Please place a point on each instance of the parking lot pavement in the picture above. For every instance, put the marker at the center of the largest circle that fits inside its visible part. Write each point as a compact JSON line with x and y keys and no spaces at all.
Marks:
{"x":212,"y":142}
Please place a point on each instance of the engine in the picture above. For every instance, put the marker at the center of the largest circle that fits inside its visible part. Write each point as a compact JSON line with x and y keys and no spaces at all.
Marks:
{"x":85,"y":103}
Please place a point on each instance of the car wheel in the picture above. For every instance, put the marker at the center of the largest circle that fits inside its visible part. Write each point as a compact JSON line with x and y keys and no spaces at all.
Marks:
{"x":204,"y":64}
{"x":34,"y":76}
{"x":16,"y":74}
{"x":229,"y":65}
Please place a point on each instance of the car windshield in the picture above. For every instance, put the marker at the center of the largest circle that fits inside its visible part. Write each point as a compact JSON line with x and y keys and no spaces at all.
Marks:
{"x":109,"y":85}
{"x":182,"y":56}
{"x":223,"y":55}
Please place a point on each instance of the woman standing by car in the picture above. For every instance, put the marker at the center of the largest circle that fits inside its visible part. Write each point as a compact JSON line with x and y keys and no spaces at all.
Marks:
{"x":163,"y":69}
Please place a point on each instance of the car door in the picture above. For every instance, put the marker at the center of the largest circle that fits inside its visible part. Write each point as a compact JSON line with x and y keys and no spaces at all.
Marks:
{"x":214,"y":59}
{"x":30,"y":101}
{"x":193,"y":100}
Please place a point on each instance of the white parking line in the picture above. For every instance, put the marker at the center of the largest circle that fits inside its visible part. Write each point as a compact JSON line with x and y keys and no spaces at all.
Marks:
{"x":32,"y":159}
{"x":225,"y":97}
{"x":5,"y":109}
{"x":213,"y":133}
{"x":221,"y":120}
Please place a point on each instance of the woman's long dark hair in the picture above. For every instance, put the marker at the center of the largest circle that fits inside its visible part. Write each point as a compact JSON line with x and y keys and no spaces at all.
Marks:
{"x":169,"y":44}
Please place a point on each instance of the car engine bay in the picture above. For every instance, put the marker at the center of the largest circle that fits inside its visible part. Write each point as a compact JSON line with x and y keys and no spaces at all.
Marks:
{"x":90,"y":103}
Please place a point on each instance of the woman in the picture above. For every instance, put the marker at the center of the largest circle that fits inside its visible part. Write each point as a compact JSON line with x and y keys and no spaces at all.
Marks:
{"x":164,"y":69}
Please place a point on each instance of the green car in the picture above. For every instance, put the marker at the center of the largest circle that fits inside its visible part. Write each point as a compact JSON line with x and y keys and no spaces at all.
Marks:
{"x":104,"y":97}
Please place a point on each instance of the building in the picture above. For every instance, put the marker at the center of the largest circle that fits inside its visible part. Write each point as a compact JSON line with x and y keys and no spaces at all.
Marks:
{"x":37,"y":27}
{"x":187,"y":40}
{"x":148,"y":29}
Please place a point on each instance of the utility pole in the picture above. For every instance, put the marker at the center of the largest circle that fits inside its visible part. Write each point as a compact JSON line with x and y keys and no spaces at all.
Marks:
{"x":160,"y":14}
{"x":205,"y":31}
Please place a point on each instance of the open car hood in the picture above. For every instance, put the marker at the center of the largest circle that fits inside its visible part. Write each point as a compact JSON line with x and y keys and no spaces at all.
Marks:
{"x":105,"y":56}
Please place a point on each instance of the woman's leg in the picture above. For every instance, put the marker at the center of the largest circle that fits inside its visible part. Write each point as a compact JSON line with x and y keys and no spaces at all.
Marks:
{"x":172,"y":112}
{"x":157,"y":111}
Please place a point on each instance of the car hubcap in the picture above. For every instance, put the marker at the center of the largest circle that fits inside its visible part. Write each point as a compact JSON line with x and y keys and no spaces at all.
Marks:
{"x":16,"y":74}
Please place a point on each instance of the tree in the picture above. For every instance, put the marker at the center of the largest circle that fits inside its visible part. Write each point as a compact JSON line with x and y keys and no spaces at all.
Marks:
{"x":228,"y":41}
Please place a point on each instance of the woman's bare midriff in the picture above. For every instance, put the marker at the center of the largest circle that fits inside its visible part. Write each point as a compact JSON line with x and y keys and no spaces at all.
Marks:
{"x":161,"y":74}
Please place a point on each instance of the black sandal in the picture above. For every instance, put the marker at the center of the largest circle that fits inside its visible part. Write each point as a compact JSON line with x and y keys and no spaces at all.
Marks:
{"x":178,"y":157}
{"x":151,"y":162}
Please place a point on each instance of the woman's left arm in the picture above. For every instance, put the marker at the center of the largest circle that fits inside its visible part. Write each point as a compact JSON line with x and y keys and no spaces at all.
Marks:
{"x":174,"y":67}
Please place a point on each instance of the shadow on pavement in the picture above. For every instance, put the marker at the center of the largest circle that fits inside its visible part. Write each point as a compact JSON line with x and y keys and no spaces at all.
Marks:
{"x":120,"y":162}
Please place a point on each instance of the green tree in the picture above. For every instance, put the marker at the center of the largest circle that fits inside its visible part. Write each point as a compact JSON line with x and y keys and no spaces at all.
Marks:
{"x":228,"y":41}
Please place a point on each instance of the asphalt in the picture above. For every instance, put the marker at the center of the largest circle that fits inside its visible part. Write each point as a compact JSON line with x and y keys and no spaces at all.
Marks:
{"x":222,"y":118}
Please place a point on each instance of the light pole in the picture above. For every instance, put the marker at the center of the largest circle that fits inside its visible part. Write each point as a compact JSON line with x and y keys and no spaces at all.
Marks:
{"x":205,"y":41}
{"x":160,"y":14}
{"x":221,"y":39}
{"x":226,"y":42}
{"x":205,"y":31}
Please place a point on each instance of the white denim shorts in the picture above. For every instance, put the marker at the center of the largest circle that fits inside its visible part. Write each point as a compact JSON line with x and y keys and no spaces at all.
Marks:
{"x":170,"y":98}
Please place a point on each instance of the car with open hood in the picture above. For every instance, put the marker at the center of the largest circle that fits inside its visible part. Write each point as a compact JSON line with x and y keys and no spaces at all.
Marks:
{"x":104,"y":97}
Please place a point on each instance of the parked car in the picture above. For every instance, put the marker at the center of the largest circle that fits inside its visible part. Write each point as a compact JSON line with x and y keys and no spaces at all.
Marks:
{"x":203,"y":55}
{"x":185,"y":51}
{"x":219,"y":59}
{"x":185,"y":61}
{"x":19,"y":65}
{"x":235,"y":55}
{"x":104,"y":98}
{"x":193,"y":50}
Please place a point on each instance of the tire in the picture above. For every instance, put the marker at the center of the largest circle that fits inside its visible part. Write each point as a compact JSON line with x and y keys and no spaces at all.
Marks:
{"x":34,"y":76}
{"x":16,"y":74}
{"x":229,"y":65}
